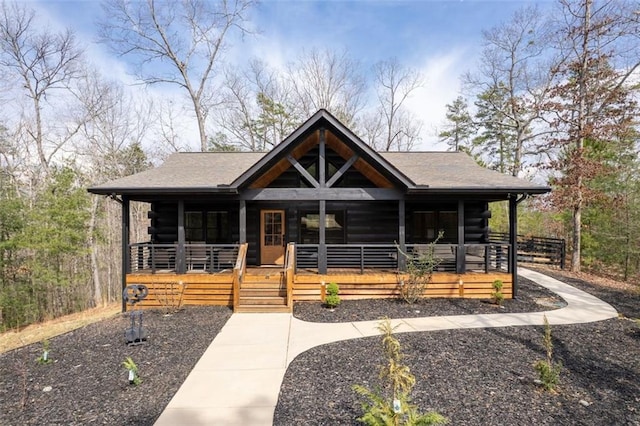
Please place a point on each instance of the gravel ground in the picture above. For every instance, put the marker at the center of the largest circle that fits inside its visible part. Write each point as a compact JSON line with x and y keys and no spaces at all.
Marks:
{"x":89,"y":385}
{"x":474,"y":377}
{"x":480,"y":376}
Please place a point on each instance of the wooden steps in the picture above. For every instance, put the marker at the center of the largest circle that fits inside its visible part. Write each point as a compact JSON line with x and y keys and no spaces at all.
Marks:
{"x":263,"y":293}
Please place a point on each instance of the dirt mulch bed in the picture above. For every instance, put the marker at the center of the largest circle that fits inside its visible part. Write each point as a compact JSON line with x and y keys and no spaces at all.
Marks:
{"x":482,"y":376}
{"x":531,"y":298}
{"x":86,"y":382}
{"x":474,"y":377}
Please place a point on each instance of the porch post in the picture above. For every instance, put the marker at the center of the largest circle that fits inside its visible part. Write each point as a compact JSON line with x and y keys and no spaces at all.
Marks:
{"x":243,"y":222}
{"x":180,"y":258}
{"x":322,"y":247}
{"x":513,"y":241}
{"x":461,"y":266}
{"x":322,"y":219}
{"x":126,"y":255}
{"x":402,"y":261}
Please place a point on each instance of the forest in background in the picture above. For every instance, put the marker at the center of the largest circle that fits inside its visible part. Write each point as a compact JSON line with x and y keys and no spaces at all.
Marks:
{"x":553,"y":99}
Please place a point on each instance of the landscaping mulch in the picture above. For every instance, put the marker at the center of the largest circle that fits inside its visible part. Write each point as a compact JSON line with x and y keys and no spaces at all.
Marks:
{"x":531,"y":298}
{"x":474,"y":377}
{"x":86,"y":383}
{"x":479,"y":376}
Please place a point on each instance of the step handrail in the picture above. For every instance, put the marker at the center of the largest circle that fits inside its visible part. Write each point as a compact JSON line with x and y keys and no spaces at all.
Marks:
{"x":238,"y":273}
{"x":289,"y":271}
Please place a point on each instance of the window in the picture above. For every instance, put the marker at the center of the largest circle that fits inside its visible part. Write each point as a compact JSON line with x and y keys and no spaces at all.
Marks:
{"x":210,"y":226}
{"x":193,"y":229}
{"x":310,"y":227}
{"x":312,"y":169}
{"x":427,"y":225}
{"x":218,"y":229}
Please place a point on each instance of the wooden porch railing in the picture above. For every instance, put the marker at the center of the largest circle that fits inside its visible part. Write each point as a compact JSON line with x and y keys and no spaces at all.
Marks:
{"x":476,"y":257}
{"x":289,"y":271}
{"x":152,"y":257}
{"x":238,"y":273}
{"x":549,"y":251}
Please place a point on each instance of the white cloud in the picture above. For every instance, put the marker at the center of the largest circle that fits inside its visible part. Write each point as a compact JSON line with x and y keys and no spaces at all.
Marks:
{"x":442,"y":73}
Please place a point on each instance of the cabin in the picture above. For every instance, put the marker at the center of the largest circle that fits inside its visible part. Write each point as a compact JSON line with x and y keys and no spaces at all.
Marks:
{"x":258,"y":231}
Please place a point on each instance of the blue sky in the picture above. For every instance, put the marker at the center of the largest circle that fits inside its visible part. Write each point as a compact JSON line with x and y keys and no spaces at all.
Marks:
{"x":440,"y":38}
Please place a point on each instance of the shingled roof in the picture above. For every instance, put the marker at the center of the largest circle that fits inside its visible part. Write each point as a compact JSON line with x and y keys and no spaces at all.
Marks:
{"x":456,"y":171}
{"x":215,"y":172}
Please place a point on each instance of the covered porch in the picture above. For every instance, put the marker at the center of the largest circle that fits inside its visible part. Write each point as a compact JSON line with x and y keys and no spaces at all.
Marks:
{"x":276,"y":288}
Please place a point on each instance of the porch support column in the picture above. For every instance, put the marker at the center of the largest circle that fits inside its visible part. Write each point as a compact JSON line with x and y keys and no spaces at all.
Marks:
{"x":243,"y":222}
{"x":180,"y":258}
{"x":126,"y":255}
{"x":322,"y":246}
{"x":322,"y":240}
{"x":461,"y":266}
{"x":402,"y":261}
{"x":513,"y":242}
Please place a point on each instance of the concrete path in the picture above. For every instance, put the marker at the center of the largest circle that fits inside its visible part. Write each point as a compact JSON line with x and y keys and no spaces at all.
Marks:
{"x":237,"y":380}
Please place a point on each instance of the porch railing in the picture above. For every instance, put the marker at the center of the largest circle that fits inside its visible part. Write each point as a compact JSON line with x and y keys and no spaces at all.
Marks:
{"x":152,"y":257}
{"x":549,"y":251}
{"x":476,"y":257}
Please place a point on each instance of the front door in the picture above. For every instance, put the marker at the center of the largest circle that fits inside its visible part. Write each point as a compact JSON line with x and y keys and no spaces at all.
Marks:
{"x":272,"y":237}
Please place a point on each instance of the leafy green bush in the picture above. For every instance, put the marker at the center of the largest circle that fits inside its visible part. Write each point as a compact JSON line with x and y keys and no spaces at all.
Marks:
{"x":332,"y":299}
{"x":390,"y":403}
{"x":497,"y":295}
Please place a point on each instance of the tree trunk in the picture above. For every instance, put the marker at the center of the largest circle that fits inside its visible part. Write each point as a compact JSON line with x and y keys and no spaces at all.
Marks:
{"x":97,"y":288}
{"x":580,"y":134}
{"x":577,"y":237}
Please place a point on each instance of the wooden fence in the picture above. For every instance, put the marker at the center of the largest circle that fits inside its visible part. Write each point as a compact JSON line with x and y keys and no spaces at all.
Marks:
{"x":540,"y":250}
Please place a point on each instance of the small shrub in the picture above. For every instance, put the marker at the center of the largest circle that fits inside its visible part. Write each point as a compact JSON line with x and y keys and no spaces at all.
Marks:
{"x":44,"y":358}
{"x":332,"y":299}
{"x":497,"y":295}
{"x":390,"y":403}
{"x":420,"y":267}
{"x":171,"y":296}
{"x":132,"y":368}
{"x":548,"y":370}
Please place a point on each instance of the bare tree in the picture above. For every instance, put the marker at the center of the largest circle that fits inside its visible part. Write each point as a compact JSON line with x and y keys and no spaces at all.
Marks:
{"x":169,"y":129}
{"x":512,"y":87}
{"x":41,"y":61}
{"x":113,"y":128}
{"x":329,"y":80}
{"x":394,"y":85}
{"x":258,"y":110}
{"x":177,"y":43}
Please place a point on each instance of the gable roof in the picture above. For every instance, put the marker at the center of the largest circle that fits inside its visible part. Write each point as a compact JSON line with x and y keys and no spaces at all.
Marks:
{"x":322,"y":119}
{"x":229,"y":172}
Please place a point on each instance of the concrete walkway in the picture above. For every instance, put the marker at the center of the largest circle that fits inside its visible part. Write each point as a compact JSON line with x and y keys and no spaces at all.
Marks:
{"x":237,"y":380}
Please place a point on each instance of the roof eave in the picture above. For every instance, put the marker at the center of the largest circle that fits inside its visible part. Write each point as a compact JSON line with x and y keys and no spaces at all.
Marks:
{"x":475,"y":190}
{"x":163,"y":191}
